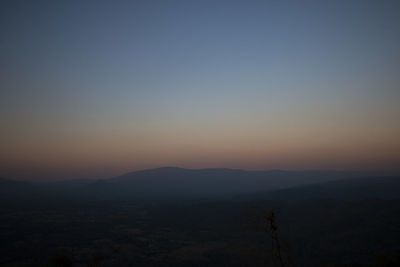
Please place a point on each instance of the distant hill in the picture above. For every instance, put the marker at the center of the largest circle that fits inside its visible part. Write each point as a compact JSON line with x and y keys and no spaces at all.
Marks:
{"x":173,"y":181}
{"x":12,"y":188}
{"x":383,"y":187}
{"x":179,"y":182}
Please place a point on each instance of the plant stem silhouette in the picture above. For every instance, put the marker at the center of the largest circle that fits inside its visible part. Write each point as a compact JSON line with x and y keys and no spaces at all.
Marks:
{"x":273,"y":230}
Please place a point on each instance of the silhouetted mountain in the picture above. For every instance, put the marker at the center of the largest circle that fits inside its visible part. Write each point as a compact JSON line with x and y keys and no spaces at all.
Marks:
{"x":71,"y":183}
{"x":384,"y":187}
{"x":7,"y":182}
{"x":173,"y":181}
{"x":12,"y":188}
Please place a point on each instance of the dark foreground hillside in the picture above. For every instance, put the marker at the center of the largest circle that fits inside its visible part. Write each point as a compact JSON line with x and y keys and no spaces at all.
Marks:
{"x":315,"y":231}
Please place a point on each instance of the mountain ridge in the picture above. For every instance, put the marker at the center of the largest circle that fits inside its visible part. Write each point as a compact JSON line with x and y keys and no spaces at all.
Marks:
{"x":167,"y":182}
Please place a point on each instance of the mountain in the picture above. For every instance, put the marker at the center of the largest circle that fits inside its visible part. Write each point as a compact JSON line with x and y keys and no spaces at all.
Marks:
{"x":382,"y":187}
{"x":12,"y":188}
{"x":174,"y":181}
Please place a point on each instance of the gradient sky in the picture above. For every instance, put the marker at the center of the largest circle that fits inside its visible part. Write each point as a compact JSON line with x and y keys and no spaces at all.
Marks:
{"x":98,"y":88}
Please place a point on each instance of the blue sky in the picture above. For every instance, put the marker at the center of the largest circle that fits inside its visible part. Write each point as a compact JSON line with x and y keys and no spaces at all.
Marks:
{"x":244,"y":84}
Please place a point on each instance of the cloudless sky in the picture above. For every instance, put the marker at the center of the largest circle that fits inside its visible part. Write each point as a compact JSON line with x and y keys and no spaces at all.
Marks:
{"x":97,"y":88}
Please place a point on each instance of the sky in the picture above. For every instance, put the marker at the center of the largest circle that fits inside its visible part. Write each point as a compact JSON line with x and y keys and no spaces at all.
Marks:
{"x":93,"y":89}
